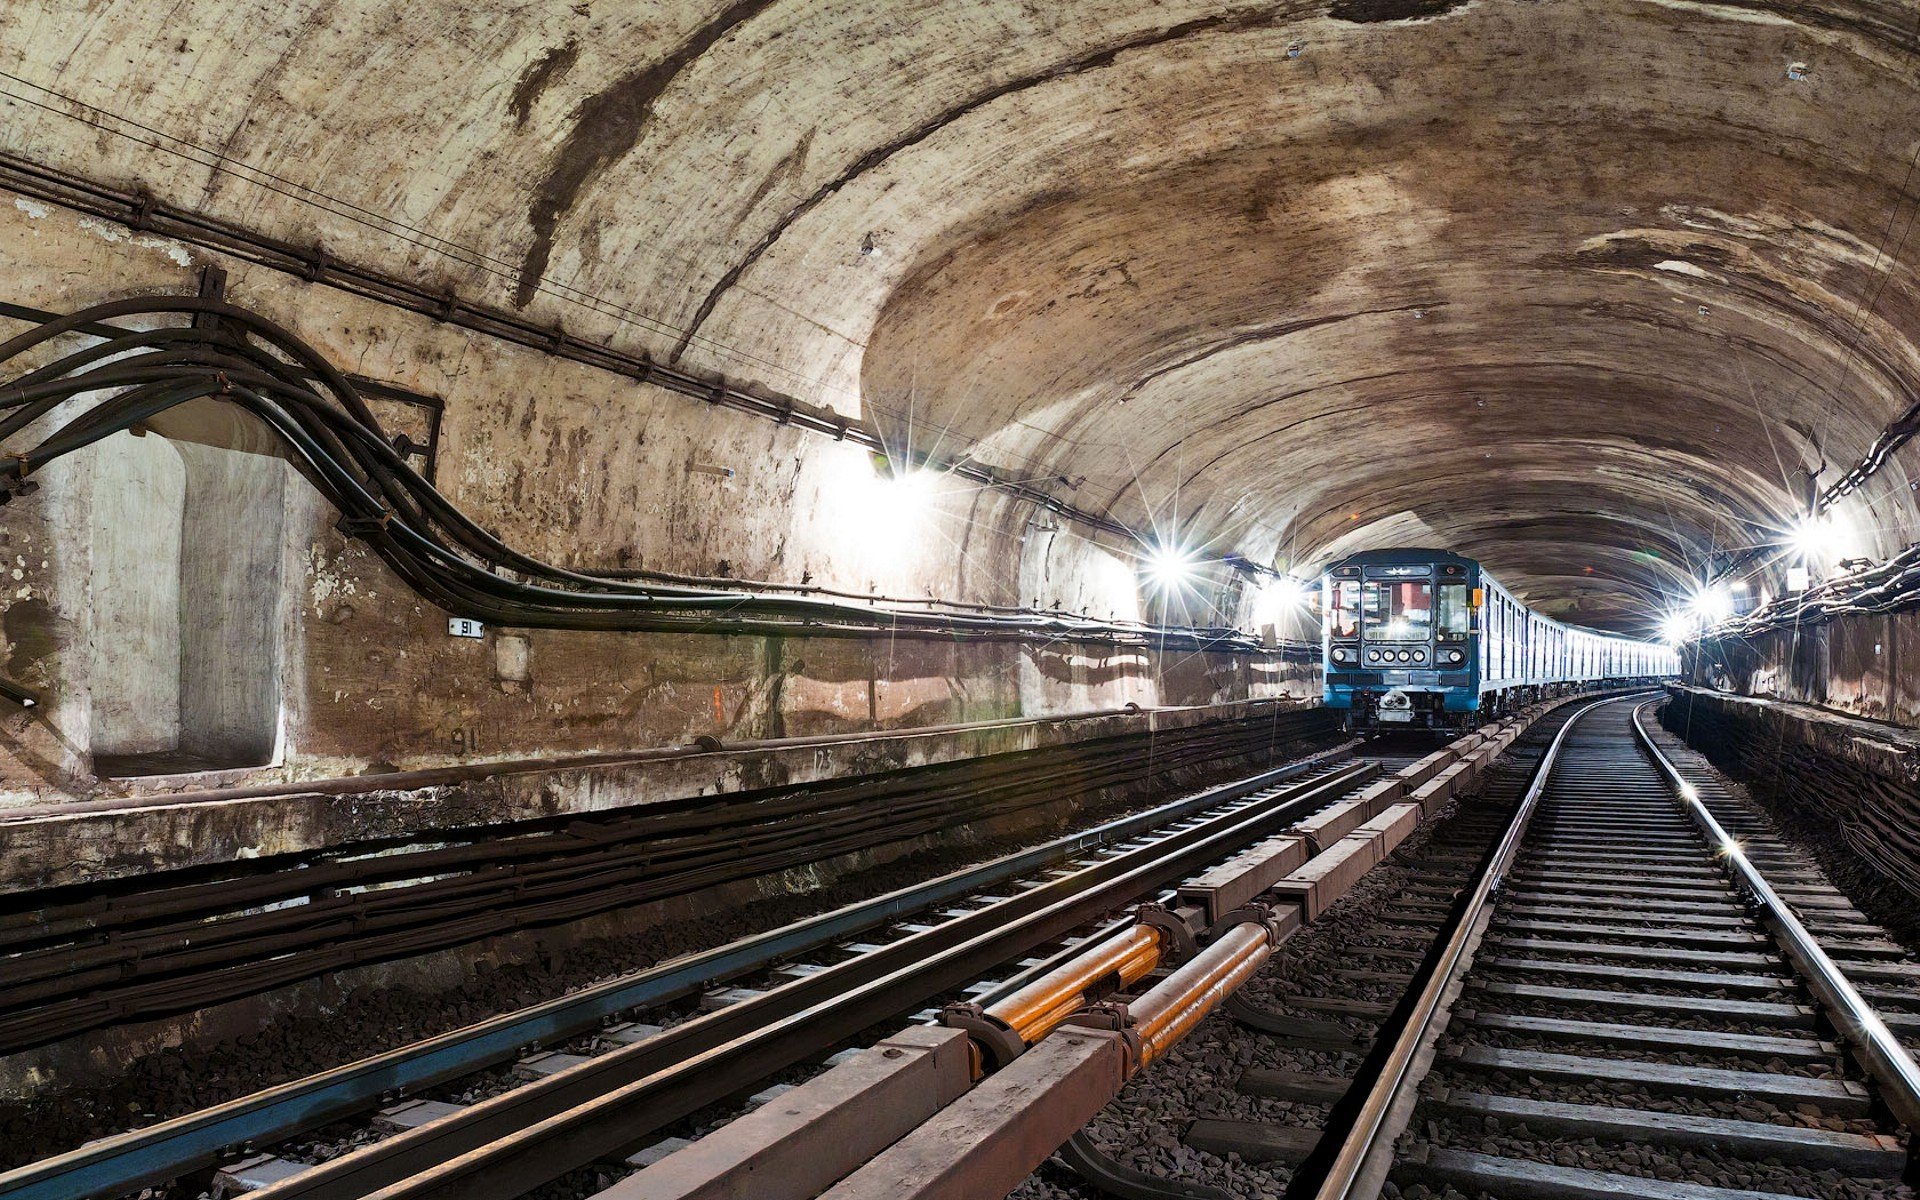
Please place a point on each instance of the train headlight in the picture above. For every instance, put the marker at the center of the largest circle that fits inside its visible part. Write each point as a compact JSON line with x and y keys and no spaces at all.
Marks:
{"x":1456,"y":656}
{"x":1342,"y":654}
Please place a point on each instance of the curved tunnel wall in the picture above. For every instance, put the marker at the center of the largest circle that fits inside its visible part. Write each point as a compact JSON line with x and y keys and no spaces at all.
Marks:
{"x":1582,"y":289}
{"x":568,"y":462}
{"x":1262,"y":239}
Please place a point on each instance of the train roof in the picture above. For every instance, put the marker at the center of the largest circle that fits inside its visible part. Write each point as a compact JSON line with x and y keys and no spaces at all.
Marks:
{"x":1361,"y":558}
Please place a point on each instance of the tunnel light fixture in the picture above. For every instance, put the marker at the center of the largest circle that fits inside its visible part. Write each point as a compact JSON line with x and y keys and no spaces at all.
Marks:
{"x":1818,"y":539}
{"x":19,"y":695}
{"x":893,"y":503}
{"x":1804,"y":539}
{"x":1711,"y":605}
{"x":1289,"y":593}
{"x":1170,"y":568}
{"x":1678,"y":628}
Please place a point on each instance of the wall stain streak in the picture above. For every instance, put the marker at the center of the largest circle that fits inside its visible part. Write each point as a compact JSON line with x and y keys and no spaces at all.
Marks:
{"x":606,"y":126}
{"x":1095,"y":61}
{"x":540,"y":75}
{"x":791,"y":167}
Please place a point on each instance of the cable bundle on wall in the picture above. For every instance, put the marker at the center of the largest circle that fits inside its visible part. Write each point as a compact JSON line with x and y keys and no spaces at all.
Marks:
{"x":237,"y":356}
{"x":1887,"y":587}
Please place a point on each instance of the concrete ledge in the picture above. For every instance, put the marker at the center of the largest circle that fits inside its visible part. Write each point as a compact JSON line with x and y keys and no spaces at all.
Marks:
{"x":1391,"y":827}
{"x":1332,"y":823}
{"x":1885,"y":750}
{"x":52,"y":846}
{"x":1433,"y":795}
{"x":1327,"y":876}
{"x":1244,"y":876}
{"x":1378,"y":795}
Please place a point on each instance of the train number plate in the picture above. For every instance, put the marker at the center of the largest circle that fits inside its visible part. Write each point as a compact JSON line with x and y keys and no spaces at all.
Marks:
{"x":1396,"y":714}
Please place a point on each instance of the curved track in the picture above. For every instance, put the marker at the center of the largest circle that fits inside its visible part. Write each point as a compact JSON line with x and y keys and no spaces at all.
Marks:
{"x":1634,"y":1004}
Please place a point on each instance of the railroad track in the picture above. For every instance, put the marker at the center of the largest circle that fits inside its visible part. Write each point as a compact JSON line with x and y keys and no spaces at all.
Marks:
{"x":1048,"y":1052}
{"x":1298,"y":1038}
{"x":744,"y":1012}
{"x":1647,"y":994}
{"x":77,"y":959}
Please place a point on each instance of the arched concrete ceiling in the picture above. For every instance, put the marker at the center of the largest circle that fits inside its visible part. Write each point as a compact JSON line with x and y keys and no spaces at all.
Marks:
{"x":1577,"y":286}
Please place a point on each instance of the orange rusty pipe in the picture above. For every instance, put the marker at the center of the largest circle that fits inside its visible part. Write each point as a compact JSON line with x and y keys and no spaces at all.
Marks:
{"x":1043,"y":1004}
{"x":1181,"y":1000}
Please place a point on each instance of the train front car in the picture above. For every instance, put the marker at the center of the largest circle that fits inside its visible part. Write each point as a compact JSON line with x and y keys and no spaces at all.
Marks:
{"x":1398,"y":642}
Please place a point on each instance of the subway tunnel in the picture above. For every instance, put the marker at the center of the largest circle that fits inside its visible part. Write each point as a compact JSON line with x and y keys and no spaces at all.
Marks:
{"x":534,"y":519}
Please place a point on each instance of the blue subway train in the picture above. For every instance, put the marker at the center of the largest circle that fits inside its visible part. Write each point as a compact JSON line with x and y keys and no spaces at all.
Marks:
{"x":1428,"y":639}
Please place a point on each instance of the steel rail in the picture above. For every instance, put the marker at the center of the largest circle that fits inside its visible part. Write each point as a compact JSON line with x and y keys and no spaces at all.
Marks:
{"x":201,"y":953}
{"x":204,"y":891}
{"x":123,"y":1163}
{"x":1366,"y":1153}
{"x":502,"y":1147}
{"x":1879,"y":1051}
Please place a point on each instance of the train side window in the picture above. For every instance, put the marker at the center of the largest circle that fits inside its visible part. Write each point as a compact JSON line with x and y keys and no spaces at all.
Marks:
{"x":1500,"y":637}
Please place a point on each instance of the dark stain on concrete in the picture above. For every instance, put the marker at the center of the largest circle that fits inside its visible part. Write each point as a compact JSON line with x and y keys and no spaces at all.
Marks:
{"x":1094,"y":61}
{"x":789,"y":168}
{"x":29,"y":627}
{"x":606,"y":126}
{"x":540,"y":75}
{"x":1369,"y":11}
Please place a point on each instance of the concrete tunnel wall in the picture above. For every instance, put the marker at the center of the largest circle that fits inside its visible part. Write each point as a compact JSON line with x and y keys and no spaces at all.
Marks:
{"x":1865,"y":666}
{"x":1584,"y":288}
{"x":171,"y":597}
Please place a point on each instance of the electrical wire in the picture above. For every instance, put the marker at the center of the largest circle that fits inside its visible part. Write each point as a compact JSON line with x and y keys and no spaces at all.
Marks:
{"x":133,"y":377}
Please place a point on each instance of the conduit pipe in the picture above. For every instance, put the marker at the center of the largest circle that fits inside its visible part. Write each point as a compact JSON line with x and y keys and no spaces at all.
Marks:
{"x":1043,"y":1004}
{"x":1183,"y":999}
{"x":325,"y":428}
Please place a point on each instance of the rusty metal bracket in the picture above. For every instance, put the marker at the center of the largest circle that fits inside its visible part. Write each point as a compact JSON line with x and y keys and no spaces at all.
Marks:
{"x":995,"y":1039}
{"x":1254,"y":912}
{"x":1113,"y":1017}
{"x":1181,"y":944}
{"x":361,"y":527}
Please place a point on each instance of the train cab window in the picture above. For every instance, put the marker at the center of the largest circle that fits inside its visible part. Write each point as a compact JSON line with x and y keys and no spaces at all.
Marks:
{"x":1344,"y":613}
{"x":1455,"y":618}
{"x":1398,"y":612}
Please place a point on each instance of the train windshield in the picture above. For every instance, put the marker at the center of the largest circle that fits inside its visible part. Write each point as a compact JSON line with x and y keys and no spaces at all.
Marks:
{"x":1399,"y":612}
{"x":1344,"y":613}
{"x":1456,"y":616}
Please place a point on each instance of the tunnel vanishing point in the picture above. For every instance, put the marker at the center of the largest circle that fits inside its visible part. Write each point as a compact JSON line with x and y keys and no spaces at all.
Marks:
{"x":500,"y":496}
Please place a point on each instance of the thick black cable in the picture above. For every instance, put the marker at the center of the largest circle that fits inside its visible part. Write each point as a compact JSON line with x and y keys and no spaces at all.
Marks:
{"x":334,"y":441}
